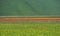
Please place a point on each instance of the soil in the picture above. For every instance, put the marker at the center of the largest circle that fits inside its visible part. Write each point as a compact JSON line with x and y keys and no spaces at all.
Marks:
{"x":28,"y":19}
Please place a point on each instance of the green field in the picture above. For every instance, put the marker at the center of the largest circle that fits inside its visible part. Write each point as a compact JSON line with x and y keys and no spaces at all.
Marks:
{"x":29,"y":7}
{"x":29,"y":29}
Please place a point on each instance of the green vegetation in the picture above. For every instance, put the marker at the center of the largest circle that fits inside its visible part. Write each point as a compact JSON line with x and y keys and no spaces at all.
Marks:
{"x":26,"y":29}
{"x":29,"y":7}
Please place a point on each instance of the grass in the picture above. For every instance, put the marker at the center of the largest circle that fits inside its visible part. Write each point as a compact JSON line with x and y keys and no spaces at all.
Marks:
{"x":28,"y":29}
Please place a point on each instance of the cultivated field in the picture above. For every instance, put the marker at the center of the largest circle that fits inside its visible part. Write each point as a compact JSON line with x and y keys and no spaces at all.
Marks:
{"x":29,"y":29}
{"x":28,"y":19}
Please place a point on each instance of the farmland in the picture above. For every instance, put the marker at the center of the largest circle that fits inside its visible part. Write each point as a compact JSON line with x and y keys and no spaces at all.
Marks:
{"x":16,"y":19}
{"x":29,"y":26}
{"x":29,"y":29}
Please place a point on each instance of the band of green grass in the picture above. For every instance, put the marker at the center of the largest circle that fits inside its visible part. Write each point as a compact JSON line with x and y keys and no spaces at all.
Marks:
{"x":29,"y":29}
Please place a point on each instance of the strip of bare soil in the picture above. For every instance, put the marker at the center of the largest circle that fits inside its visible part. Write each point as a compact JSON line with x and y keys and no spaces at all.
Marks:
{"x":28,"y":19}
